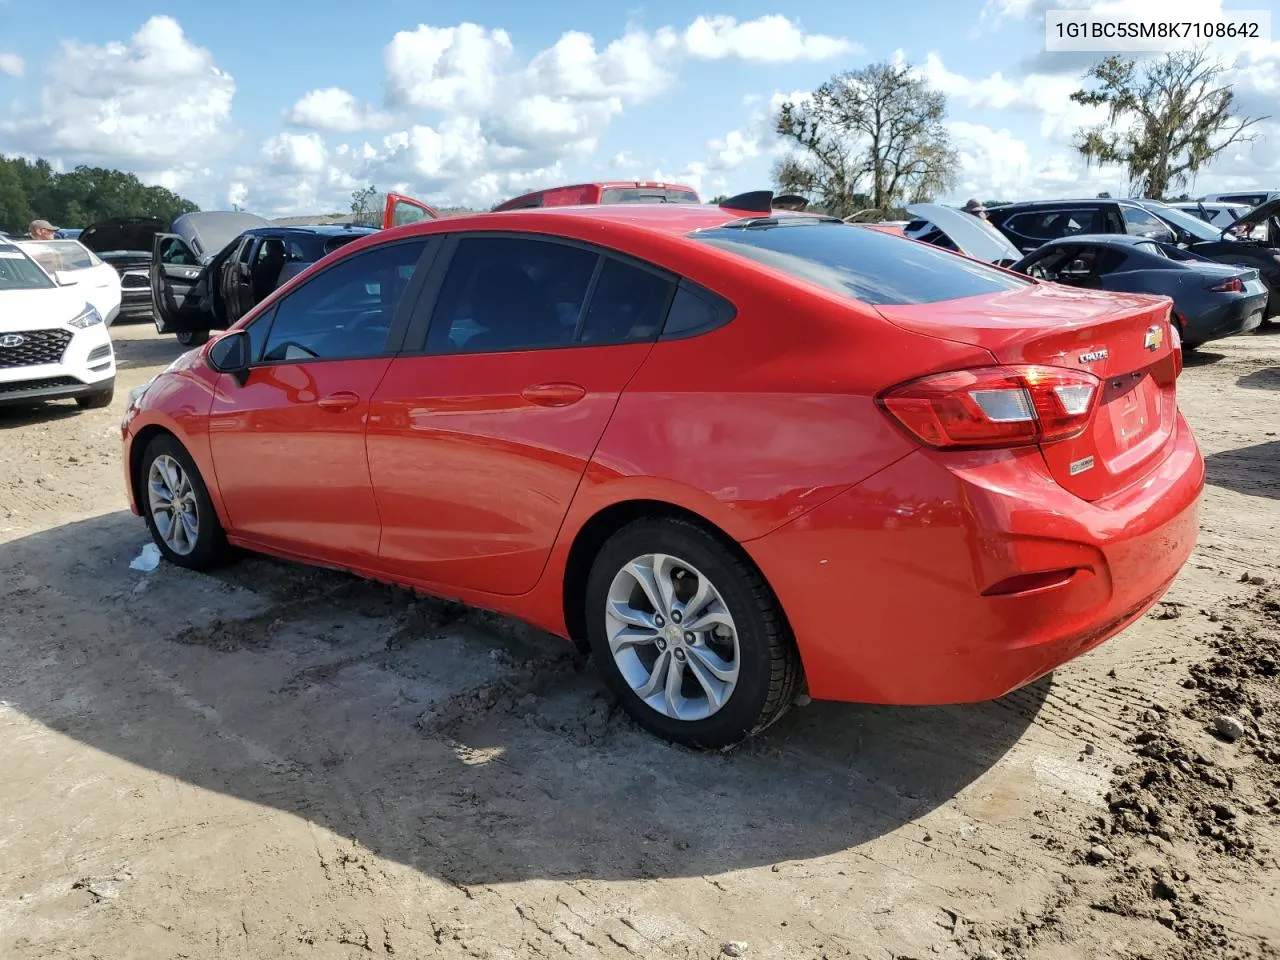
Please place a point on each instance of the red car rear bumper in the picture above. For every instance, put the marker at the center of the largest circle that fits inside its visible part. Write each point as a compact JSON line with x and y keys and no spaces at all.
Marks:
{"x":951,"y":578}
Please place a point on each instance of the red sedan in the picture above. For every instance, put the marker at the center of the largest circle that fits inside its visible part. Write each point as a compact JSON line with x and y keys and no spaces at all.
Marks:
{"x":732,"y":455}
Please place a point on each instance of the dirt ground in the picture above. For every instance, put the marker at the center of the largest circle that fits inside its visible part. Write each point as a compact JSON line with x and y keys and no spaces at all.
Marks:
{"x":278,"y":762}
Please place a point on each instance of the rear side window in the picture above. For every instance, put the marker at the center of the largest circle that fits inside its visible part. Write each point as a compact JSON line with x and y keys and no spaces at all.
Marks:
{"x":510,"y":293}
{"x":627,"y":305}
{"x":333,"y":243}
{"x":1055,"y":224}
{"x":865,"y":265}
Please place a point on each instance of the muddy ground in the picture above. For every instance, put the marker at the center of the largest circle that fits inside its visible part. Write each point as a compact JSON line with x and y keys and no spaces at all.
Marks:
{"x":278,"y":762}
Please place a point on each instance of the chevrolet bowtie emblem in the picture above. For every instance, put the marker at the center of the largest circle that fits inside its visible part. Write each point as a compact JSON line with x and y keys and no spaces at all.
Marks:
{"x":1153,"y":339}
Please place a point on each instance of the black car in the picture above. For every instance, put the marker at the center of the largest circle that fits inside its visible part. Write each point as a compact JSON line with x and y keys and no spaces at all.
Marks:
{"x":125,"y":243}
{"x":202,"y":279}
{"x":1031,"y":225}
{"x":1210,"y":300}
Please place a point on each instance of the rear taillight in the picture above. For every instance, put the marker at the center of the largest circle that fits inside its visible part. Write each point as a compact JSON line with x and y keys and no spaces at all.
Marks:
{"x":1175,"y":348}
{"x":1234,"y":285}
{"x":1005,"y":406}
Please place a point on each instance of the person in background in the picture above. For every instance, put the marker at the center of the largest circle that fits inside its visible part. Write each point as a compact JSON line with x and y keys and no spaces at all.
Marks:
{"x":42,"y":230}
{"x":976,"y":208}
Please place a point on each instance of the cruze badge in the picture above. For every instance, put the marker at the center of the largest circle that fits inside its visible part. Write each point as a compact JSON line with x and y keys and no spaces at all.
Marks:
{"x":1153,"y":339}
{"x":1093,"y":355}
{"x":12,"y":340}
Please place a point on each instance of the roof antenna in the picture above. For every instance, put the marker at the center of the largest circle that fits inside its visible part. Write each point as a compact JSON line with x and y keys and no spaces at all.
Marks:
{"x":754,"y":201}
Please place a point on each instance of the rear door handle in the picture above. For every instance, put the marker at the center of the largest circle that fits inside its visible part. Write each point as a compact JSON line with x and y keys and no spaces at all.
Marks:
{"x":337,"y":402}
{"x":554,"y":394}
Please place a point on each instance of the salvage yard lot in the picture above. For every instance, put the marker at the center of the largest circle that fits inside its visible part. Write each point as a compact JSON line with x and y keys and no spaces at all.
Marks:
{"x":284,"y":762}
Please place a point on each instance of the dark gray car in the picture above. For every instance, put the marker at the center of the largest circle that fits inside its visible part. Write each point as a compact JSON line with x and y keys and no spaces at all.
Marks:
{"x":1210,"y":300}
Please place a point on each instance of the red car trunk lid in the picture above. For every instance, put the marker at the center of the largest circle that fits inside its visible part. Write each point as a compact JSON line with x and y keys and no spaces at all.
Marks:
{"x":1122,"y":339}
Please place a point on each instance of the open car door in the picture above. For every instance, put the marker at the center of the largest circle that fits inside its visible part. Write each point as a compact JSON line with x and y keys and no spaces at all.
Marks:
{"x":175,"y":274}
{"x":401,"y":210}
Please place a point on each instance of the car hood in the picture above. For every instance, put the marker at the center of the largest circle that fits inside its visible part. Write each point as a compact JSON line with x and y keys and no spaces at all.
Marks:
{"x":122,"y":233}
{"x":1262,"y":211}
{"x":974,"y":236}
{"x":38,"y":309}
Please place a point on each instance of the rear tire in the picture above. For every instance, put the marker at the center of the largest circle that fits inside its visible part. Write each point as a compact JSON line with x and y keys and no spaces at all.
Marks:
{"x":193,"y":338}
{"x":96,"y":401}
{"x":712,"y":662}
{"x":177,"y":507}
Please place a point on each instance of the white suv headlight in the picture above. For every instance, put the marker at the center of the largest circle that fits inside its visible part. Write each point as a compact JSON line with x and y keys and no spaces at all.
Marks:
{"x":86,"y":318}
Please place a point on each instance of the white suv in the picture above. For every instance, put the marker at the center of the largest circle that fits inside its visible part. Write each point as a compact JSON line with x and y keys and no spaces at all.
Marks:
{"x":53,"y":344}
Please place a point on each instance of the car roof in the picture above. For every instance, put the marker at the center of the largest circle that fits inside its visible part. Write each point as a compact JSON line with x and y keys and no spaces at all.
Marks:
{"x":316,"y":229}
{"x":669,"y":218}
{"x":1101,"y":240}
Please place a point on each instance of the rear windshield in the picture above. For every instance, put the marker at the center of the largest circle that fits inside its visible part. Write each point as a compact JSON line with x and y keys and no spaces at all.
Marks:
{"x":333,"y":243}
{"x":647,"y":195}
{"x":867,"y":265}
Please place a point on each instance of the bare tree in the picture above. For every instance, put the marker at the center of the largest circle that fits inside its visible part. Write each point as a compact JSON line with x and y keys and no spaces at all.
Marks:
{"x":878,"y":130}
{"x":367,"y":205}
{"x":1166,"y":120}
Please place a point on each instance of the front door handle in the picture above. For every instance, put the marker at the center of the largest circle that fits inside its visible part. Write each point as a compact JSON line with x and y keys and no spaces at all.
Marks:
{"x":338,"y":402}
{"x":554,"y":394}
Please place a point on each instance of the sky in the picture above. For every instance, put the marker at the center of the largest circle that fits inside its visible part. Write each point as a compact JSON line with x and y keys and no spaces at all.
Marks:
{"x":260,"y":106}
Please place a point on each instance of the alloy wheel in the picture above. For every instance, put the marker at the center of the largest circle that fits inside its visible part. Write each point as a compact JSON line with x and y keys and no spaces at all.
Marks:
{"x":672,"y":637}
{"x":174,"y":509}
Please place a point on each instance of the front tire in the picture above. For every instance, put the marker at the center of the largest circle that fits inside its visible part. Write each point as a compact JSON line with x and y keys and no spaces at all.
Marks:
{"x":96,"y":401}
{"x":193,"y":338}
{"x":177,"y":507}
{"x":688,"y":635}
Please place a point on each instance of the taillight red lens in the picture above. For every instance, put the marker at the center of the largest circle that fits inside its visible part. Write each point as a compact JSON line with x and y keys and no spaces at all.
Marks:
{"x":1175,"y":347}
{"x":1005,"y":406}
{"x":1234,"y":285}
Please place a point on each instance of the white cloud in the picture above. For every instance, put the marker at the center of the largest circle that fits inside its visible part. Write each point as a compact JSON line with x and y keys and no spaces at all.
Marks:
{"x":156,"y":98}
{"x":445,"y":68}
{"x":336,"y":110}
{"x":296,"y":153}
{"x":768,"y":39}
{"x":12,"y":65}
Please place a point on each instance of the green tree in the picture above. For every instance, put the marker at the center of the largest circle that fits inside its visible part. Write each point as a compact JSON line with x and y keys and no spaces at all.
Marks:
{"x":1167,"y":120}
{"x":877,"y":130}
{"x":76,"y":199}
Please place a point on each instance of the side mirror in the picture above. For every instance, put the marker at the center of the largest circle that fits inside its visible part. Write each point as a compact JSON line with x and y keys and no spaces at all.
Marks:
{"x":231,"y":353}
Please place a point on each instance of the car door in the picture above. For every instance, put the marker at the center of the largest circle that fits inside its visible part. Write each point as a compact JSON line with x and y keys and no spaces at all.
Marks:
{"x":483,"y":427}
{"x":288,"y":443}
{"x":400,"y":210}
{"x":175,"y":274}
{"x":237,"y":282}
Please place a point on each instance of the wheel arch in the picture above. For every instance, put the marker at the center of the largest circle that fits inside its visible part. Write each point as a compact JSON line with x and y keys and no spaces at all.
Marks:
{"x":592,"y":535}
{"x":138,"y":448}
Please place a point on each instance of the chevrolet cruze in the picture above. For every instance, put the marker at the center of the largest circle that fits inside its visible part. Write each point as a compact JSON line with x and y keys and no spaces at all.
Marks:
{"x":735,"y":455}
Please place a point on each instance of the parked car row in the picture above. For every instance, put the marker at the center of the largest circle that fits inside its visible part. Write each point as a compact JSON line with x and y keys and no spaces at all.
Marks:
{"x":1223,"y":280}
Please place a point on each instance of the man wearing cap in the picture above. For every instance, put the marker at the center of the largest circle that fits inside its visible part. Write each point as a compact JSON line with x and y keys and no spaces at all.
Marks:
{"x":42,"y":230}
{"x":976,"y":208}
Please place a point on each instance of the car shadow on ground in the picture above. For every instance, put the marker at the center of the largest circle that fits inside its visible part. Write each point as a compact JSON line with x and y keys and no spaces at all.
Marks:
{"x":133,"y":353}
{"x":1254,"y":469}
{"x":1266,"y":379}
{"x":468,"y":747}
{"x":1200,"y":357}
{"x":25,"y":414}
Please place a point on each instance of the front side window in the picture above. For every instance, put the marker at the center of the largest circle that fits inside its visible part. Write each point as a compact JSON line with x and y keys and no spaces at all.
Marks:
{"x":865,"y":265}
{"x":510,"y":293}
{"x":344,"y":312}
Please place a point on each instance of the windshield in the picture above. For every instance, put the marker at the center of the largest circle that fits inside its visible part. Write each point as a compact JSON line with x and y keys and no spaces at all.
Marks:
{"x":1185,"y":221}
{"x":866,"y":265}
{"x":19,"y":272}
{"x":55,"y":255}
